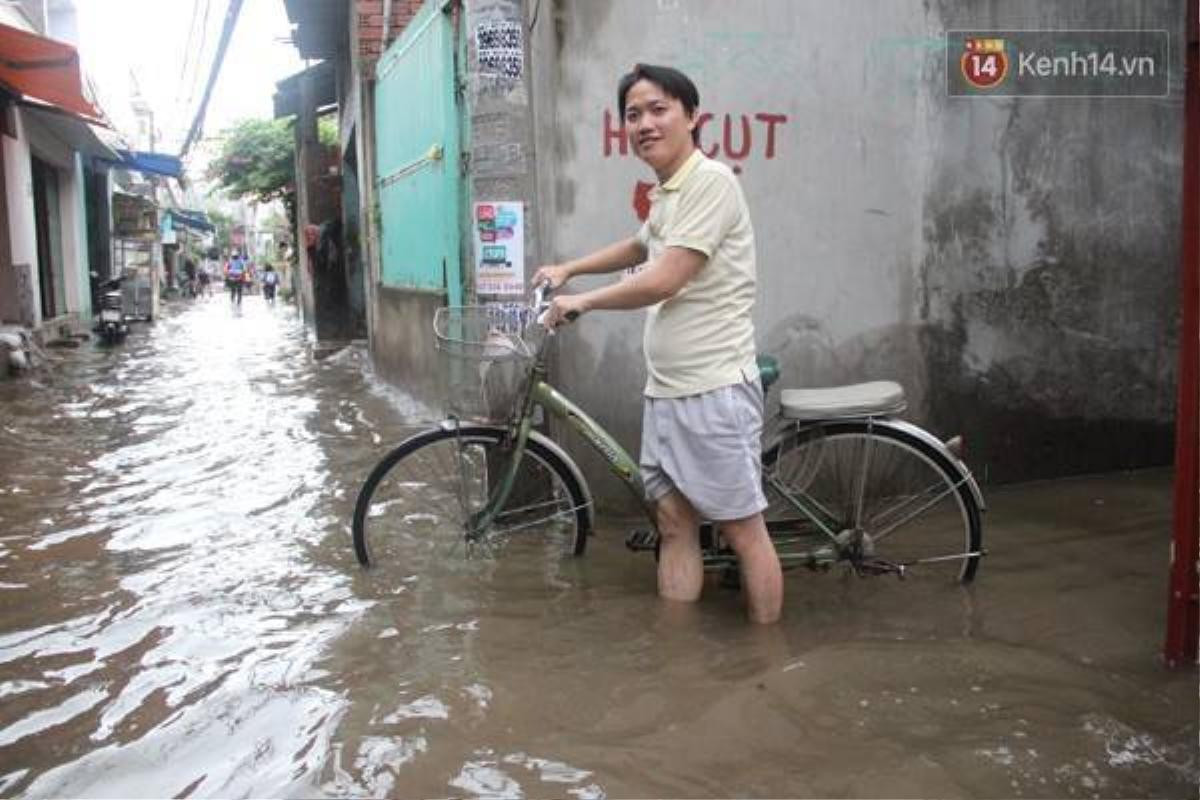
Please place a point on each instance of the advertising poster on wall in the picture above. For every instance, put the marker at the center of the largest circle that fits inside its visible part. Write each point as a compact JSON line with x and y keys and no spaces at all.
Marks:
{"x":500,"y":248}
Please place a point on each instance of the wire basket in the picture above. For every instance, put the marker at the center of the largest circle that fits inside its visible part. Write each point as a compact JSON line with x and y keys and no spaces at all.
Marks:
{"x":486,"y":352}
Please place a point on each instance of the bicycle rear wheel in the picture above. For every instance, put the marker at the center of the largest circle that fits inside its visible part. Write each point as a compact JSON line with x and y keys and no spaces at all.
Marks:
{"x":419,"y":500}
{"x":911,"y":505}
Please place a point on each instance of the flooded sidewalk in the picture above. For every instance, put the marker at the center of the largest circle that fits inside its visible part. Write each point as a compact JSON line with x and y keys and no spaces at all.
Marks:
{"x":181,"y":615}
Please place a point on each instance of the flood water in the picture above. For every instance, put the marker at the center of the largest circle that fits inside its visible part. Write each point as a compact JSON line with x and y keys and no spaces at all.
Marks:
{"x":181,"y":615}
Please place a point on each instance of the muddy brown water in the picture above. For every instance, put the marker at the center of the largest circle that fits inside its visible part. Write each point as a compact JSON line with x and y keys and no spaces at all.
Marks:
{"x":181,"y":615}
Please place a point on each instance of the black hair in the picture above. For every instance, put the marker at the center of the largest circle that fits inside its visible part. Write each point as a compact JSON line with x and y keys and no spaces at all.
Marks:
{"x":673,"y":83}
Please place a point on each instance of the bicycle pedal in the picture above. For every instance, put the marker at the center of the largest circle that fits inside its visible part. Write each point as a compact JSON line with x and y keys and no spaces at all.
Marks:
{"x":642,"y":539}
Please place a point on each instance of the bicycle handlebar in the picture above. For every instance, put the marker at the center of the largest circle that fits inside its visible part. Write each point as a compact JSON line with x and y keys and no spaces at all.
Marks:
{"x":541,"y":293}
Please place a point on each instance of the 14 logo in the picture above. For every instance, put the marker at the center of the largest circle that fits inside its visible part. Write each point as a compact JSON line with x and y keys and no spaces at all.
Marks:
{"x":984,"y":62}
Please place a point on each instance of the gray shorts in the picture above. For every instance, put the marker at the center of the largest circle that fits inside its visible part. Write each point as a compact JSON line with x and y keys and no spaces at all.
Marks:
{"x":708,"y":446}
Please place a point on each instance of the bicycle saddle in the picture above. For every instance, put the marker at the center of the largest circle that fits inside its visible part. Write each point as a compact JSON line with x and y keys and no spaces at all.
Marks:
{"x":873,"y":399}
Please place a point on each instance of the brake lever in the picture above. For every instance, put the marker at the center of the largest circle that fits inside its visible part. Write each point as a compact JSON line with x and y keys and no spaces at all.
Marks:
{"x":540,"y":306}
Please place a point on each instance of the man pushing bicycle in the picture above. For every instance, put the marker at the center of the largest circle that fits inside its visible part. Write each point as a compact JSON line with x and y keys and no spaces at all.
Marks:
{"x":703,"y":414}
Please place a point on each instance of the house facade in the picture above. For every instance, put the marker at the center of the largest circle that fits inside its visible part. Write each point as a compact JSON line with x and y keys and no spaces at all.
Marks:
{"x":50,"y":191}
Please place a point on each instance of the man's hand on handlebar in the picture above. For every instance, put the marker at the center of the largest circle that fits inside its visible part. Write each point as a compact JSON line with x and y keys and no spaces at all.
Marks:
{"x":563,"y":309}
{"x":553,"y":274}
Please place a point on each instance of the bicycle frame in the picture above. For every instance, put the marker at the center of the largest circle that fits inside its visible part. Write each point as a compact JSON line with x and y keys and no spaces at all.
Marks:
{"x":540,"y":392}
{"x":832,"y":543}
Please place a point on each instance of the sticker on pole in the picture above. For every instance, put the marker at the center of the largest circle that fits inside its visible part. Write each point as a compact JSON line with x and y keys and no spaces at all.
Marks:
{"x":500,"y":248}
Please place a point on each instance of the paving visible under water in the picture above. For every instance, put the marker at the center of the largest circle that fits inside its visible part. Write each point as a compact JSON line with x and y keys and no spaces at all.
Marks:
{"x":181,"y":615}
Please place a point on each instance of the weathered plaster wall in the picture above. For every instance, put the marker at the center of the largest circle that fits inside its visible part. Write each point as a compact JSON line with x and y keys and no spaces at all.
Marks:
{"x":403,"y":349}
{"x":1049,"y":268}
{"x":1012,"y":262}
{"x":18,"y":178}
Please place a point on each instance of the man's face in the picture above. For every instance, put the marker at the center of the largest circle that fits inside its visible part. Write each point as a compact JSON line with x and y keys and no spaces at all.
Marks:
{"x":658,"y":127}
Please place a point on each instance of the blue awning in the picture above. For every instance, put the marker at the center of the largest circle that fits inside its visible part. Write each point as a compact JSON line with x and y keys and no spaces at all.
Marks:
{"x":196,"y":220}
{"x":156,"y":163}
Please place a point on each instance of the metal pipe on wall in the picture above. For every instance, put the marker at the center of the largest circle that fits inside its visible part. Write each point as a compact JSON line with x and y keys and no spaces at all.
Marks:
{"x":1183,"y":625}
{"x":387,"y":23}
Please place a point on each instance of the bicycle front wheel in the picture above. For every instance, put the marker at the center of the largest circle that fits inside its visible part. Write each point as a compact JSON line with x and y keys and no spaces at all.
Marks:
{"x":900,"y":497}
{"x":423,"y":495}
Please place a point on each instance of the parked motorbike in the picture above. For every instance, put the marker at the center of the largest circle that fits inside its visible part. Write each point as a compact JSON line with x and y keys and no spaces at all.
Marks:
{"x":112,"y":325}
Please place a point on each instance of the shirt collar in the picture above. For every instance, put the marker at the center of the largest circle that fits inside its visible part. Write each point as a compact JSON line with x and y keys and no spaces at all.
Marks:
{"x":681,"y":174}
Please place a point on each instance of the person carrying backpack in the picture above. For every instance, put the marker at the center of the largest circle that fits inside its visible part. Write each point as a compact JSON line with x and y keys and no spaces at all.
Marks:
{"x":235,"y":273}
{"x":270,"y":280}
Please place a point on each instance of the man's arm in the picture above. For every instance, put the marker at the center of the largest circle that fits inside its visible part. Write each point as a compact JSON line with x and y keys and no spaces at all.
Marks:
{"x":659,"y":281}
{"x":619,"y":255}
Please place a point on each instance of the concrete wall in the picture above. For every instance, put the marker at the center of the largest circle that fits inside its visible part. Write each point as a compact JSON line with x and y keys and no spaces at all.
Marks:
{"x":18,"y":180}
{"x":403,"y":347}
{"x":1012,"y":262}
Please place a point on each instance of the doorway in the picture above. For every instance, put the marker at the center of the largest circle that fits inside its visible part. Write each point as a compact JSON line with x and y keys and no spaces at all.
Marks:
{"x":48,"y":222}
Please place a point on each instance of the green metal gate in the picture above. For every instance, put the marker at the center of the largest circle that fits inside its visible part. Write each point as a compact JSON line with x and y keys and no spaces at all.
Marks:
{"x":418,"y":155}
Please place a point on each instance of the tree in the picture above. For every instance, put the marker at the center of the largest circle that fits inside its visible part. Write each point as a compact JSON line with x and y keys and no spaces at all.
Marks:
{"x":224,"y":227}
{"x":258,"y":159}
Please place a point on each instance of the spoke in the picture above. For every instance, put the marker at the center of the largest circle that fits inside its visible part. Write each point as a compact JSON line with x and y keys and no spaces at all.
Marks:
{"x":565,"y":513}
{"x":562,"y":512}
{"x":955,"y":557}
{"x":860,"y":494}
{"x":884,"y":516}
{"x":883,"y":534}
{"x":807,"y":505}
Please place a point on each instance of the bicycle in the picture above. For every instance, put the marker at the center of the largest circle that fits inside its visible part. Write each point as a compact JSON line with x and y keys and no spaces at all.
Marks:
{"x":847,"y":481}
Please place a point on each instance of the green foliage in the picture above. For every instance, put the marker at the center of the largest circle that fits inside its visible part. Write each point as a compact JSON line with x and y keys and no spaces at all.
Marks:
{"x":224,"y":225}
{"x":327,"y":130}
{"x":257,"y":160}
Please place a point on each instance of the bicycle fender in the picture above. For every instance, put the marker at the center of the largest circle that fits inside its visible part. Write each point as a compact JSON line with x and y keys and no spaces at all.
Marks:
{"x":938,"y":445}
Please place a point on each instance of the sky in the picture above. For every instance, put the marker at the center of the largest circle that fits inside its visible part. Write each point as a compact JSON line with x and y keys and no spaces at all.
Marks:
{"x":168,"y":49}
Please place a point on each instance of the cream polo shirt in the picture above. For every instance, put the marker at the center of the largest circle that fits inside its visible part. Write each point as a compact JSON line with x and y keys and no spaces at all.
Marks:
{"x":702,"y":338}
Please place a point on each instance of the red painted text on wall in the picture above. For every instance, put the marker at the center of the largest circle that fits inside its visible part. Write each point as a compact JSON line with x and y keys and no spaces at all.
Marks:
{"x":735,"y":137}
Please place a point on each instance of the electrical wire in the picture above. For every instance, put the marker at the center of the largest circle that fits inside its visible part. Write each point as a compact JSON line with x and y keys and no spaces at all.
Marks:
{"x":187,"y":49}
{"x":231,"y":15}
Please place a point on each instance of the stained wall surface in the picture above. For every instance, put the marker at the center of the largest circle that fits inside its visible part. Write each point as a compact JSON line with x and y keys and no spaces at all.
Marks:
{"x":1013,"y":262}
